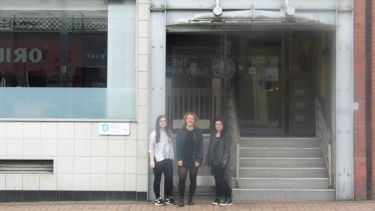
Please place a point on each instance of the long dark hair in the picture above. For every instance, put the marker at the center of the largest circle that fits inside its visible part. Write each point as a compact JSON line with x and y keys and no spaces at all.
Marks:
{"x":222,"y":133}
{"x":157,"y":128}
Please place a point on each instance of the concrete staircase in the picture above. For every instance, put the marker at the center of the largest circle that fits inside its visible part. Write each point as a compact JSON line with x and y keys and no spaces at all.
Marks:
{"x":282,"y":169}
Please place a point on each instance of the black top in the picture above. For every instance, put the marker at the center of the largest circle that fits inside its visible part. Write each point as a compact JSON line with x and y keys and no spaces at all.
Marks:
{"x":188,"y":149}
{"x":217,"y":153}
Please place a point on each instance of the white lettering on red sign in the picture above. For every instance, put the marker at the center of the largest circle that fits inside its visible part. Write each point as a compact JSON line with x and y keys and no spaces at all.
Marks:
{"x":20,"y":55}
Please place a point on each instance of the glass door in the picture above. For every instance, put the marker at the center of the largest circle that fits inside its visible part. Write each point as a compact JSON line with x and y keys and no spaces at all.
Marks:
{"x":259,"y":87}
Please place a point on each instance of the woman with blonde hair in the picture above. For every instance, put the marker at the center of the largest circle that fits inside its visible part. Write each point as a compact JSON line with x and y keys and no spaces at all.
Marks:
{"x":189,"y":153}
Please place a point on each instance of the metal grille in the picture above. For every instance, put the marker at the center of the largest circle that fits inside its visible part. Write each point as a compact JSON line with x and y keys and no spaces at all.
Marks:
{"x":26,"y":166}
{"x":53,"y":24}
{"x":191,"y":99}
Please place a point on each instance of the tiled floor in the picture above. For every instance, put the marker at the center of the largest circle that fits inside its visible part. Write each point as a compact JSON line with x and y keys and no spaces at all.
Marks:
{"x":199,"y":206}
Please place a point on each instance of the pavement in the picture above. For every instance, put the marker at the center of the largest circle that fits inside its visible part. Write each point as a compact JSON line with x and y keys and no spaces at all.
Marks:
{"x":198,"y":206}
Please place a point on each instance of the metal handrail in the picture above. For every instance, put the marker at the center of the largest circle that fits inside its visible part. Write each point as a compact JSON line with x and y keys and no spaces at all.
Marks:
{"x":236,"y":133}
{"x":324,"y":133}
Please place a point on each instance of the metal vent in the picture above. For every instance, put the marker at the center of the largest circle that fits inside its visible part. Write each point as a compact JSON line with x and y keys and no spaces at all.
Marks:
{"x":26,"y":166}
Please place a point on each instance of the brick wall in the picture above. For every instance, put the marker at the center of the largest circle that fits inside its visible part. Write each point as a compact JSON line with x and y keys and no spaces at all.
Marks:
{"x":360,"y":98}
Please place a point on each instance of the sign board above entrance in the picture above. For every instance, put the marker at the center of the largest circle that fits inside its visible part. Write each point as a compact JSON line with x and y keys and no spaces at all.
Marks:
{"x":114,"y":129}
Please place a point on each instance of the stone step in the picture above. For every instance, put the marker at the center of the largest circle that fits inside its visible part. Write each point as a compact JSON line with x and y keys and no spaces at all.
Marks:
{"x":280,"y":152}
{"x":271,"y":172}
{"x":282,"y":183}
{"x":281,"y":162}
{"x":283,"y":194}
{"x":280,"y":142}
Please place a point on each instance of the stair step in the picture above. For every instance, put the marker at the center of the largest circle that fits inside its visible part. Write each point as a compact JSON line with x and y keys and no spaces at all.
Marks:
{"x":282,"y":183}
{"x":246,"y":172}
{"x":280,"y":152}
{"x":283,"y":194}
{"x":281,"y":162}
{"x":280,"y":142}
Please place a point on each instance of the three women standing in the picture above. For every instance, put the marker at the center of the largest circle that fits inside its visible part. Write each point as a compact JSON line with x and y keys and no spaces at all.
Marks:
{"x":161,"y":160}
{"x":189,"y":153}
{"x":218,"y":159}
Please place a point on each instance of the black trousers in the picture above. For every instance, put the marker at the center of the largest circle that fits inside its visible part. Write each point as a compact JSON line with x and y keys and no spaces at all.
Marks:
{"x":221,"y":186}
{"x":182,"y":173}
{"x":166,"y":167}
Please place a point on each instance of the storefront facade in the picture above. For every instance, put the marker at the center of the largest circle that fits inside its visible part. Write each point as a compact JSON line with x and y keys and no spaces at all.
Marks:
{"x":68,"y":69}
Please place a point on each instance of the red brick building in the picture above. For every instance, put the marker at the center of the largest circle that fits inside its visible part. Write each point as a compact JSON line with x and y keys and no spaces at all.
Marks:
{"x":364,"y":94}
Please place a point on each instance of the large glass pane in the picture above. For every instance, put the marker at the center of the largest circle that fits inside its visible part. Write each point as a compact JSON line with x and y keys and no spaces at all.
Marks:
{"x":259,"y":86}
{"x":190,"y":60}
{"x":66,"y":49}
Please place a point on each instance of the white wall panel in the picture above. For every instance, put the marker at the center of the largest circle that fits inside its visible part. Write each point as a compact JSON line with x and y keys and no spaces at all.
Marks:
{"x":48,"y":148}
{"x":31,"y":147}
{"x":2,"y":182}
{"x":65,"y":130}
{"x":14,"y":130}
{"x":82,"y":148}
{"x":2,"y":131}
{"x":344,"y":107}
{"x":30,"y":182}
{"x":65,"y":182}
{"x":82,"y":165}
{"x":116,"y":182}
{"x":116,"y":148}
{"x":130,"y":165}
{"x":82,"y":131}
{"x":13,"y":182}
{"x":99,"y":182}
{"x":48,"y":130}
{"x":82,"y":182}
{"x":116,"y":165}
{"x":158,"y":58}
{"x":64,"y":165}
{"x":99,"y":165}
{"x":99,"y":148}
{"x":130,"y":182}
{"x":32,"y":130}
{"x":48,"y":182}
{"x":65,"y":147}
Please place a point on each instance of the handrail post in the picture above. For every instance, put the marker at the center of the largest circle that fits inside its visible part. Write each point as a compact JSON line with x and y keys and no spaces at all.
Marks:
{"x":237,"y":163}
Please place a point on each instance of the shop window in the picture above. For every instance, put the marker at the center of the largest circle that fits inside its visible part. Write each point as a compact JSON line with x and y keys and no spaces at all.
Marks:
{"x":59,"y":61}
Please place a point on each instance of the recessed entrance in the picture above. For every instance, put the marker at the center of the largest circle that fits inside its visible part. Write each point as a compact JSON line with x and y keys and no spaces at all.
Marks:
{"x":274,"y":76}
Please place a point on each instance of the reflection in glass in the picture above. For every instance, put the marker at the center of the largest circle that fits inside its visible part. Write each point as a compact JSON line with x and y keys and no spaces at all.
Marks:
{"x":53,"y":49}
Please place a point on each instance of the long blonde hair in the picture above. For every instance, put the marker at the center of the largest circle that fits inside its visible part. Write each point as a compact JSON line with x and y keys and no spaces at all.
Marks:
{"x":195,"y":125}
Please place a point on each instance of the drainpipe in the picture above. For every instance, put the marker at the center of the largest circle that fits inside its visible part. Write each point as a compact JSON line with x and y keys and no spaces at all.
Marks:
{"x":368,"y":98}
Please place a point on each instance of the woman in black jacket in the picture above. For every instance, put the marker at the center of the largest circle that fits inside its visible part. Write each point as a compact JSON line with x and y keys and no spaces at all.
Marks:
{"x":218,"y":159}
{"x":189,"y":153}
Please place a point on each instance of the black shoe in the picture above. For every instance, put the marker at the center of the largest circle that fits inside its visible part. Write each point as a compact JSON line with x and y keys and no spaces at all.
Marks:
{"x":159,"y":202}
{"x":216,"y":201}
{"x":190,"y":201}
{"x":226,"y":202}
{"x":170,"y":201}
{"x":181,"y":203}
